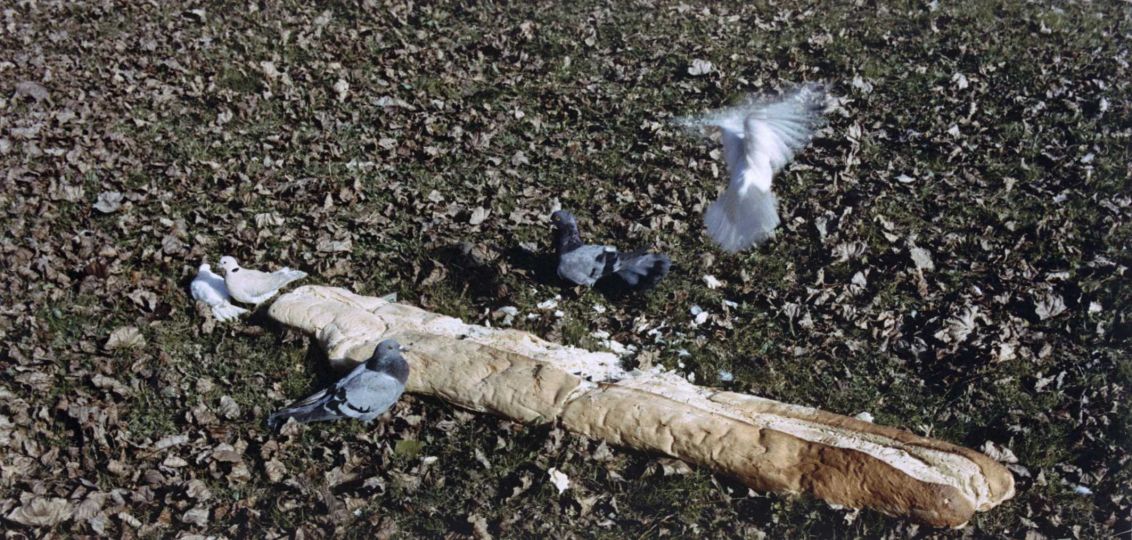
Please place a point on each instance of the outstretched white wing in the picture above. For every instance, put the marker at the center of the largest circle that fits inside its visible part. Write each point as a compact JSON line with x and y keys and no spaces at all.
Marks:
{"x":759,"y":138}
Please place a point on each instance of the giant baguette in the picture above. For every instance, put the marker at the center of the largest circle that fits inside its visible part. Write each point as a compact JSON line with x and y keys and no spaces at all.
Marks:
{"x":766,"y":444}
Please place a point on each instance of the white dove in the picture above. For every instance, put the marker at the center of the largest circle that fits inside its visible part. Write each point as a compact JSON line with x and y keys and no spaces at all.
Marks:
{"x":760,"y":137}
{"x":209,"y":288}
{"x":252,"y":286}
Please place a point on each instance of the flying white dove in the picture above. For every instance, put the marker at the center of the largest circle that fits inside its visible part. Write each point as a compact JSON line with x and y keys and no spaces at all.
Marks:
{"x":210,"y":289}
{"x":252,"y":286}
{"x":760,"y":137}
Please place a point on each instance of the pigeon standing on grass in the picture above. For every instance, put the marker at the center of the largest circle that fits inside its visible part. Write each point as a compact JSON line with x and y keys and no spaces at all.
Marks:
{"x":760,"y":137}
{"x":584,"y":264}
{"x":252,"y":286}
{"x":209,"y":288}
{"x":365,"y":393}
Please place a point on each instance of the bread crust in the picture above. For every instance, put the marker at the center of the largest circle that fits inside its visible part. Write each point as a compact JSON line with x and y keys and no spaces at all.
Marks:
{"x":768,"y":445}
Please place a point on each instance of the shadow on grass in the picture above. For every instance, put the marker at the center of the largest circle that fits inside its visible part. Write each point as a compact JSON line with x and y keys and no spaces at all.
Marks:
{"x":541,"y":266}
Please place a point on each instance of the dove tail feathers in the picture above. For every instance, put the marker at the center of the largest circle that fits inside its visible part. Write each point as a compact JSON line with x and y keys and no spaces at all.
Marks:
{"x":742,"y":216}
{"x":226,"y":312}
{"x":644,"y":271}
{"x":314,"y":412}
{"x":292,"y":275}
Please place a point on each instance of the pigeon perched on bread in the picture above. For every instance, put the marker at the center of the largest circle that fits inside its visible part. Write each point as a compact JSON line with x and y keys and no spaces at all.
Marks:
{"x":363,"y":394}
{"x":585,"y":264}
{"x":208,"y":287}
{"x":252,"y":286}
{"x":760,"y":137}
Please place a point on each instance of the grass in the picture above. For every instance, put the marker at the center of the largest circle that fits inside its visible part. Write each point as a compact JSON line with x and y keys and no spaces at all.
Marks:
{"x":595,"y":131}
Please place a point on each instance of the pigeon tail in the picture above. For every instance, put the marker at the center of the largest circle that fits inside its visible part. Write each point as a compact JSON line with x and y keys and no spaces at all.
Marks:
{"x":742,"y":216}
{"x":314,"y":412}
{"x":643,"y":270}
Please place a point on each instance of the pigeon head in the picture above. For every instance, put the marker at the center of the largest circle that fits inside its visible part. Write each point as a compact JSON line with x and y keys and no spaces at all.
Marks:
{"x":229,"y":264}
{"x":387,"y":346}
{"x":204,"y":267}
{"x":563,"y":220}
{"x":566,"y":236}
{"x":387,"y":358}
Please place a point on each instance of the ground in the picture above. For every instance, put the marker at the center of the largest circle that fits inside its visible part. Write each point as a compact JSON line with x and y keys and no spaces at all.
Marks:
{"x":953,"y":257}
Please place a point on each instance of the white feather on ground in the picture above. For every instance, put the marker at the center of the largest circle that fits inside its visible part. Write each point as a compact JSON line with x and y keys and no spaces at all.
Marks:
{"x":760,"y":137}
{"x":208,"y":287}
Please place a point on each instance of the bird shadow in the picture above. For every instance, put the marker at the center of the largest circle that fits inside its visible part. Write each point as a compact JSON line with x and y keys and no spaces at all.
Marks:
{"x":614,"y":289}
{"x":468,"y":270}
{"x":540,"y":266}
{"x":318,"y":364}
{"x":259,"y":317}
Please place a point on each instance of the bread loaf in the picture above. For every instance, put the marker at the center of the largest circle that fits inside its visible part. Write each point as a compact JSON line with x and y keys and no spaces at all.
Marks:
{"x":766,"y":444}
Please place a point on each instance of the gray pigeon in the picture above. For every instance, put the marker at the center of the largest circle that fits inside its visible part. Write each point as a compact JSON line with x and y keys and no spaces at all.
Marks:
{"x":585,"y":264}
{"x":365,"y":393}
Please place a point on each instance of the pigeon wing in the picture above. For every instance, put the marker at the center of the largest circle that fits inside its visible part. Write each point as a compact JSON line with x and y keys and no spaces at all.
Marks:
{"x":368,"y":395}
{"x":312,"y":399}
{"x":588,"y":264}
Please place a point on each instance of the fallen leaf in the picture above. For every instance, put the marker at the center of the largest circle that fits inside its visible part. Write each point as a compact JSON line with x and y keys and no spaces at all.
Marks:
{"x":998,"y":453}
{"x":228,"y":408}
{"x":275,"y":470}
{"x":1048,"y":305}
{"x":109,"y":383}
{"x":673,"y":467}
{"x":108,"y":202}
{"x":922,"y":258}
{"x":478,"y":215}
{"x":196,"y":516}
{"x":957,"y":328}
{"x":126,"y":337}
{"x":32,"y":90}
{"x":42,"y":512}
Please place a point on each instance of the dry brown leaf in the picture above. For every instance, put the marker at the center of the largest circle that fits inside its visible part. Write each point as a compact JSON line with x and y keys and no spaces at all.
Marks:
{"x":196,"y":516}
{"x":42,"y":512}
{"x":127,"y":337}
{"x":275,"y":470}
{"x":108,"y":202}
